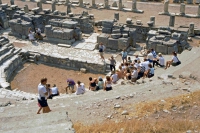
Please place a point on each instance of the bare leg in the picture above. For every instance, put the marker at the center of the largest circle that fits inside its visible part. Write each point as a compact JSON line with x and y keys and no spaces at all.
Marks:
{"x":39,"y":110}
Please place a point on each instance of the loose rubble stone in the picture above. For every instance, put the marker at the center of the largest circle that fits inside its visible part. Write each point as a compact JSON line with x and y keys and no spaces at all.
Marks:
{"x":118,"y":97}
{"x":131,"y":95}
{"x":125,"y":112}
{"x":117,"y":106}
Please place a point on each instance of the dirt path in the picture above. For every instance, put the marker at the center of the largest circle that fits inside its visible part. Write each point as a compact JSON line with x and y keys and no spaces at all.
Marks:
{"x":28,"y":79}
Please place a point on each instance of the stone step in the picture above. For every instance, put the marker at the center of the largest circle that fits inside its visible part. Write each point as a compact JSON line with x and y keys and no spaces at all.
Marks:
{"x":4,"y":57}
{"x":31,"y":60}
{"x":34,"y":122}
{"x":64,"y":45}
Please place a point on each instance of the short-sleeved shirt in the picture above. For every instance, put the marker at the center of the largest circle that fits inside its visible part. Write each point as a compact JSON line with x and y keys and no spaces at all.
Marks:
{"x":134,"y":74}
{"x":175,"y":59}
{"x":151,"y":71}
{"x":145,"y":64}
{"x":100,"y":84}
{"x":54,"y":90}
{"x":154,"y":54}
{"x":124,"y":54}
{"x":70,"y":81}
{"x":112,"y":62}
{"x":150,"y":56}
{"x":80,"y":89}
{"x":41,"y":90}
{"x":114,"y":77}
{"x":101,"y":48}
{"x":161,"y":61}
{"x":31,"y":37}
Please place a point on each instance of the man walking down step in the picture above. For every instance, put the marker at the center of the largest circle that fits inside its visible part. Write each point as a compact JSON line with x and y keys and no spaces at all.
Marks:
{"x":42,"y":91}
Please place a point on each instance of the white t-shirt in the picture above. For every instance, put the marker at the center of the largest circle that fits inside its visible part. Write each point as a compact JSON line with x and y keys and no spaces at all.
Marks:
{"x":136,"y":65}
{"x":175,"y":59}
{"x":134,"y":74}
{"x":145,"y":64}
{"x":41,"y":90}
{"x":31,"y":37}
{"x":150,"y":56}
{"x":54,"y":90}
{"x":102,"y":47}
{"x":80,"y":89}
{"x":161,"y":61}
{"x":138,"y":59}
{"x":114,"y":77}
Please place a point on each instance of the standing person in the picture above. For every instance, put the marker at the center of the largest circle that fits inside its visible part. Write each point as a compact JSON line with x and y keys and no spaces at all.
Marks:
{"x":160,"y":61}
{"x":54,"y":91}
{"x":70,"y":84}
{"x":112,"y":63}
{"x":80,"y":88}
{"x":124,"y":55}
{"x":42,"y":91}
{"x":108,"y":84}
{"x":101,"y":50}
{"x":174,"y":62}
{"x":150,"y":72}
{"x":154,"y":53}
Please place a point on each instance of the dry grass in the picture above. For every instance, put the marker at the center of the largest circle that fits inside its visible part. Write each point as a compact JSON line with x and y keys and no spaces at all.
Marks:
{"x":164,"y":125}
{"x":148,"y":108}
{"x":135,"y":126}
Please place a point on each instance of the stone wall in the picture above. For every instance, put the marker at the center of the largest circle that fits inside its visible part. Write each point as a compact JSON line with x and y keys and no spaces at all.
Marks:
{"x":70,"y":63}
{"x":165,"y":41}
{"x":3,"y":19}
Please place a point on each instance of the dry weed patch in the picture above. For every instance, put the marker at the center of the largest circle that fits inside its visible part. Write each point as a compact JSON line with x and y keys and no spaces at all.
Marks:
{"x":149,"y":125}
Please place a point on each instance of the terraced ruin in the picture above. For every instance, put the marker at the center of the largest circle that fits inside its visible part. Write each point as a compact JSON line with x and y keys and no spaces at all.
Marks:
{"x":72,"y":33}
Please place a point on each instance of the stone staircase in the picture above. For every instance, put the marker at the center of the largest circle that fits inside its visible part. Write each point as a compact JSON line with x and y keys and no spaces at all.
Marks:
{"x":9,"y":61}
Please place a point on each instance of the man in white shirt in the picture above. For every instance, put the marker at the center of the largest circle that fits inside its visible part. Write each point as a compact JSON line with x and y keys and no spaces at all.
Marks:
{"x":150,"y":56}
{"x":145,"y":64}
{"x":42,"y":91}
{"x":80,"y":88}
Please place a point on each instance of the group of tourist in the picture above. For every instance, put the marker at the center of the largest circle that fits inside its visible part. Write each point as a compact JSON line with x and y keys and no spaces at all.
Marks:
{"x":35,"y":35}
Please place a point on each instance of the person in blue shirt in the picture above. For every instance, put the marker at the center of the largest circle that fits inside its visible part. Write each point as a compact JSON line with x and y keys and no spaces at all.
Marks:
{"x":124,"y":55}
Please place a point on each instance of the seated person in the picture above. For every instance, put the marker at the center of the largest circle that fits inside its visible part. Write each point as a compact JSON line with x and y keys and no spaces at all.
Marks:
{"x":108,"y":84}
{"x":100,"y":84}
{"x":80,"y":88}
{"x":137,"y":58}
{"x":54,"y":91}
{"x":31,"y":36}
{"x":38,"y":34}
{"x":150,"y":57}
{"x":129,"y":60}
{"x":160,"y":61}
{"x":114,"y":77}
{"x":174,"y":62}
{"x":150,"y":72}
{"x":141,"y":70}
{"x":92,"y":84}
{"x":128,"y":74}
{"x":134,"y":75}
{"x":70,"y":84}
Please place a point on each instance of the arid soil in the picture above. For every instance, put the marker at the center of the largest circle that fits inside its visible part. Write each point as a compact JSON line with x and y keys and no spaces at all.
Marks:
{"x":29,"y":78}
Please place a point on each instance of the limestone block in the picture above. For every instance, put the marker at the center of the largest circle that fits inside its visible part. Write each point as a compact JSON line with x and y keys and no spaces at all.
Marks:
{"x":126,"y":30}
{"x":123,"y":43}
{"x":69,"y":24}
{"x":107,"y":23}
{"x":4,"y":6}
{"x":189,"y":1}
{"x":172,"y":49}
{"x":116,"y":36}
{"x":116,"y":31}
{"x":103,"y":38}
{"x":83,"y":70}
{"x":162,"y":49}
{"x":197,"y":2}
{"x":106,"y":30}
{"x":68,"y":34}
{"x":176,"y":36}
{"x":58,"y":33}
{"x":129,"y":21}
{"x":112,"y":43}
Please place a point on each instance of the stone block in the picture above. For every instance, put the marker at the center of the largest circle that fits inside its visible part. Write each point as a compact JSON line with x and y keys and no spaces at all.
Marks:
{"x":69,"y":24}
{"x":112,"y":43}
{"x":58,"y":33}
{"x":123,"y":43}
{"x":116,"y":36}
{"x":106,"y":30}
{"x":107,"y":23}
{"x":83,"y":70}
{"x":116,"y":31}
{"x":103,"y":38}
{"x":162,"y":49}
{"x":68,"y":34}
{"x":64,"y":45}
{"x":172,"y":49}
